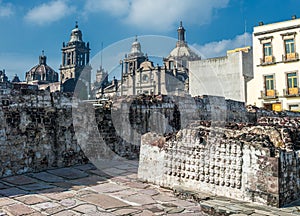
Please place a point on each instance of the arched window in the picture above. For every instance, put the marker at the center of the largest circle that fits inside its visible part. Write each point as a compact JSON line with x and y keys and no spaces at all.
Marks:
{"x":145,"y":78}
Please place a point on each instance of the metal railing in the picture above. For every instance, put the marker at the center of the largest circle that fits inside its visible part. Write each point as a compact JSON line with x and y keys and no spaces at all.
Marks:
{"x":291,"y":92}
{"x":267,"y":60}
{"x":290,"y":57}
{"x":269,"y":94}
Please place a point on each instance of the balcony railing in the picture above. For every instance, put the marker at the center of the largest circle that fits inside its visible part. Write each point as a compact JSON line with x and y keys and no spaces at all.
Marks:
{"x":291,"y":92}
{"x":267,"y":60}
{"x":269,"y":94}
{"x":290,"y":57}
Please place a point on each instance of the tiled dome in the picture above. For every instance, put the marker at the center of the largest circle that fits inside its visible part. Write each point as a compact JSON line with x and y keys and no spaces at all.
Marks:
{"x":42,"y":72}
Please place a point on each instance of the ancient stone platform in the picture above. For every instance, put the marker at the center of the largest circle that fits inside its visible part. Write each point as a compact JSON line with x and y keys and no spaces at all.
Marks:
{"x":112,"y":190}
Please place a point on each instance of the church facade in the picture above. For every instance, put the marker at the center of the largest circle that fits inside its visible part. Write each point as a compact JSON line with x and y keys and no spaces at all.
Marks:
{"x":140,"y":76}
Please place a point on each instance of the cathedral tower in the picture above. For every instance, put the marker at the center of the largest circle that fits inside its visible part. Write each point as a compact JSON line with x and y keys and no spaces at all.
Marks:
{"x":75,"y":62}
{"x":132,"y":63}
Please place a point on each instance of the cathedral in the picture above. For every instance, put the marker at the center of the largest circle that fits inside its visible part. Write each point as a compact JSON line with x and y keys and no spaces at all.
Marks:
{"x":138,"y":73}
{"x":140,"y":76}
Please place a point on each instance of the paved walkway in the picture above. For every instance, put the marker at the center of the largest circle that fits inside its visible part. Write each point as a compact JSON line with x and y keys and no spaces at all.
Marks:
{"x":113,"y":190}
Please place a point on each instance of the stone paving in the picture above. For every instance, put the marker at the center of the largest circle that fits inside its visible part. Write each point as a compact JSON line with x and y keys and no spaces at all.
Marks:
{"x":112,"y":190}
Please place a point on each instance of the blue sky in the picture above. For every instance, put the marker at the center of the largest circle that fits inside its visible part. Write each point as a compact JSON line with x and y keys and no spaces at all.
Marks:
{"x":212,"y":26}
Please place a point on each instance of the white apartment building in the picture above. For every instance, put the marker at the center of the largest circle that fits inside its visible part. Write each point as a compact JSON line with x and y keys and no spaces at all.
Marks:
{"x":276,"y":66}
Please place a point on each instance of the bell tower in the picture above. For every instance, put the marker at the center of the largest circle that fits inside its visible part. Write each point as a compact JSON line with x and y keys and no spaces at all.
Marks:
{"x":131,"y":64}
{"x":75,"y":61}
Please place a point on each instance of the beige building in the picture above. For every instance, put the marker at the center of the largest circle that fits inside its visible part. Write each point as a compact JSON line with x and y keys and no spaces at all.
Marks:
{"x":222,"y":76}
{"x":141,"y":76}
{"x":276,"y":66}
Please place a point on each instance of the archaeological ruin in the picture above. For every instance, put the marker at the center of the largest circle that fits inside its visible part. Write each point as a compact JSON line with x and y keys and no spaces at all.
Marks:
{"x":200,"y":144}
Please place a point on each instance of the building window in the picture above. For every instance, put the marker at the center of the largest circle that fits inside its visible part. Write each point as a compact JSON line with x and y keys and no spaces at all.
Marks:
{"x":269,"y":84}
{"x":68,"y":58}
{"x":145,"y":78}
{"x":267,"y":49}
{"x":131,"y":66}
{"x":294,"y":107}
{"x":289,"y":46}
{"x":267,"y":53}
{"x":292,"y":83}
{"x":171,"y":65}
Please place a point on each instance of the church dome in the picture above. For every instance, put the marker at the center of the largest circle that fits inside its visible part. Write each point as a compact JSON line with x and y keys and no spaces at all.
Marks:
{"x":182,"y":50}
{"x":136,"y":50}
{"x":42,"y":72}
{"x":76,"y":35}
{"x":15,"y":79}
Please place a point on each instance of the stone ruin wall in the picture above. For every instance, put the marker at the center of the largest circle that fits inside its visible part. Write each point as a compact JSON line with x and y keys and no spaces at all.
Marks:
{"x":288,"y":158}
{"x":253,"y":158}
{"x":37,"y":133}
{"x":256,"y":160}
{"x":126,"y":119}
{"x":37,"y":130}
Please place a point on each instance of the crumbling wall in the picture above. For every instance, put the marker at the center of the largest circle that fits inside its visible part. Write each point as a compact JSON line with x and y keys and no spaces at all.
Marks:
{"x":37,"y":133}
{"x":254,"y":161}
{"x":203,"y":143}
{"x":130,"y":117}
{"x":288,"y":158}
{"x":289,"y":180}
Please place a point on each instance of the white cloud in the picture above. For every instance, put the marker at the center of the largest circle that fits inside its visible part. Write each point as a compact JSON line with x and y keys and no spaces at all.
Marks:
{"x":219,"y":48}
{"x":158,"y":15}
{"x":6,"y":10}
{"x":49,"y":12}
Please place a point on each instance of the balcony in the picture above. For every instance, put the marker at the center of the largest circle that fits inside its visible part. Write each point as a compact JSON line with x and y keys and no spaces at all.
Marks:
{"x":291,"y":92}
{"x":267,"y":60}
{"x":269,"y":94}
{"x":290,"y":57}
